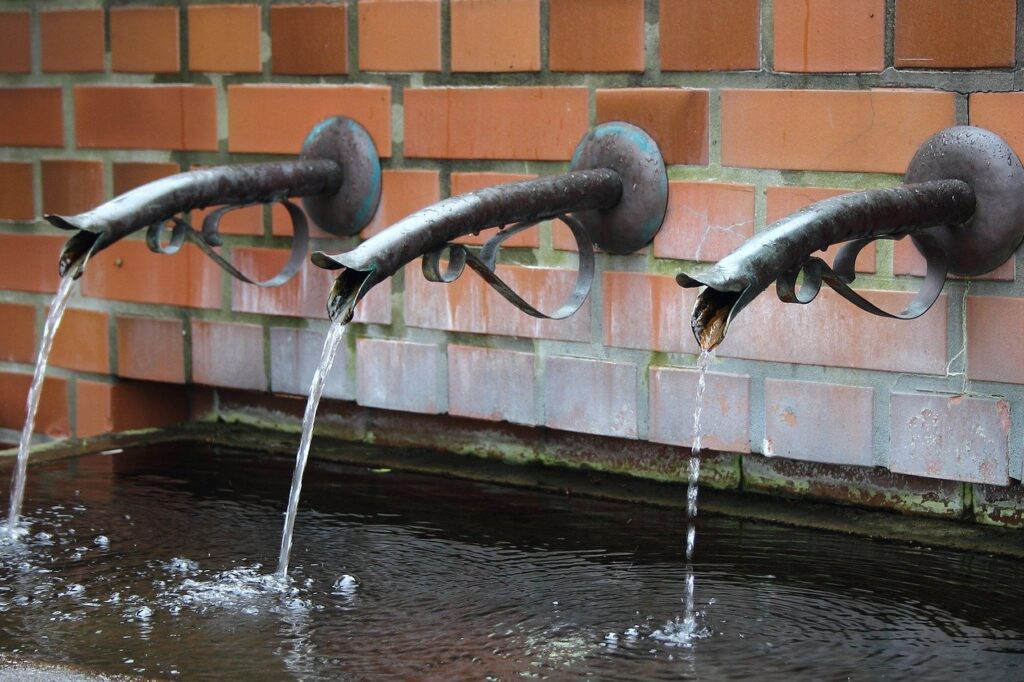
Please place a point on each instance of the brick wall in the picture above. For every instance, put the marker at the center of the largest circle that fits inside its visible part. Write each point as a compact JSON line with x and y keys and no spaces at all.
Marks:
{"x":760,"y":107}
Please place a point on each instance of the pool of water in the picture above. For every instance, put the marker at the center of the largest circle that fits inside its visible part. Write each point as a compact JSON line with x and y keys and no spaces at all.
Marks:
{"x":159,"y":563}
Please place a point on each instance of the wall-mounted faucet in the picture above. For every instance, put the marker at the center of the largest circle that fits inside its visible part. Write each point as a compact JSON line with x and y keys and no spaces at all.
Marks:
{"x":963,"y":206}
{"x":615,"y":196}
{"x":337,"y":175}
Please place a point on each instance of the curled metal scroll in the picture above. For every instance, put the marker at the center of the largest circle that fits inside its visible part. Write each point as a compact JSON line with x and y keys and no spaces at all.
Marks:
{"x":209,"y":237}
{"x":484,"y":265}
{"x":842,"y":272}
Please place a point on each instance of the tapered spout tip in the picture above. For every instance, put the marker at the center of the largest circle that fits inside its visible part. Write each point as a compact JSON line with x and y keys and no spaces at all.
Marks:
{"x":711,"y":314}
{"x":348,"y":289}
{"x":77,"y":247}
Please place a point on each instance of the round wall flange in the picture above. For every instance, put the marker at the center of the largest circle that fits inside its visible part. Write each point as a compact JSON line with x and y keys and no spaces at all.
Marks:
{"x":984,"y":161}
{"x":347,"y":143}
{"x":634,"y":155}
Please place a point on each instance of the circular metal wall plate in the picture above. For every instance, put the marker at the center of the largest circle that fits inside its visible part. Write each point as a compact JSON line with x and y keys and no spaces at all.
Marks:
{"x":633,"y":154}
{"x":984,"y":161}
{"x":347,"y":143}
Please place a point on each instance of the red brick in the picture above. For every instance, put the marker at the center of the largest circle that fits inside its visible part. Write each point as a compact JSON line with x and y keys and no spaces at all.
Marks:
{"x":399,"y":35}
{"x":596,"y":35}
{"x":277,"y":118}
{"x":294,"y":357}
{"x":470,"y":396}
{"x":224,"y":38}
{"x":52,"y":417}
{"x":495,"y":35}
{"x":150,"y":348}
{"x":144,"y":39}
{"x":829,"y":35}
{"x":103,"y":408}
{"x":648,"y":312}
{"x":128,"y":271}
{"x":400,"y":375}
{"x":33,"y":117}
{"x":17,"y":197}
{"x":1002,"y":113}
{"x":710,"y":35}
{"x":725,"y":414}
{"x":474,"y":123}
{"x":228,"y":354}
{"x":994,"y":350}
{"x":72,"y":40}
{"x":18,"y":333}
{"x":873,"y":131}
{"x":783,"y":201}
{"x":463,"y":183}
{"x":30,"y":262}
{"x":954,"y":34}
{"x":950,"y":437}
{"x":705,"y":221}
{"x":82,"y":342}
{"x":907,"y":260}
{"x":677,"y":119}
{"x":801,"y":422}
{"x":176,"y":117}
{"x":130,"y":174}
{"x":16,"y":47}
{"x":71,"y":186}
{"x":309,"y":39}
{"x":590,"y":396}
{"x":470,"y":305}
{"x":402,"y":192}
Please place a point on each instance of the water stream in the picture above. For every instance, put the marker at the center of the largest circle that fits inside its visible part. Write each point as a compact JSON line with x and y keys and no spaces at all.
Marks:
{"x":334,"y":336}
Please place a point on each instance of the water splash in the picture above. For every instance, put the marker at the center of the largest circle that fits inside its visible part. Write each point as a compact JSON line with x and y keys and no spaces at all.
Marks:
{"x":334,"y":336}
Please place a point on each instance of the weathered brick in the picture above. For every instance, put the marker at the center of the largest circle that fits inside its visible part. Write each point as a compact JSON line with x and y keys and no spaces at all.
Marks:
{"x":52,"y":416}
{"x":144,"y":39}
{"x":16,"y":47}
{"x":495,"y":36}
{"x":277,"y":118}
{"x":829,"y":35}
{"x":709,"y":35}
{"x":994,"y":350}
{"x":399,"y":35}
{"x":17,"y":333}
{"x":401,"y":375}
{"x":305,"y":295}
{"x":294,"y":357}
{"x":30,"y":262}
{"x":309,"y":39}
{"x":818,"y":422}
{"x":705,"y":221}
{"x":131,"y":174}
{"x":954,"y":34}
{"x":649,"y":312}
{"x":71,"y":186}
{"x":228,"y":354}
{"x":725,"y":414}
{"x":677,"y":119}
{"x":473,"y":123}
{"x":72,"y":40}
{"x":471,"y":305}
{"x":33,"y":117}
{"x":907,"y":260}
{"x":128,"y":271}
{"x":103,"y":408}
{"x":590,"y":396}
{"x":403,"y":192}
{"x":177,"y":117}
{"x":950,"y":437}
{"x":224,"y":38}
{"x":151,"y":349}
{"x":596,"y":35}
{"x":461,"y":183}
{"x":872,"y":131}
{"x":82,"y":342}
{"x":782,"y":201}
{"x":492,"y":384}
{"x":999,"y":505}
{"x":17,"y":197}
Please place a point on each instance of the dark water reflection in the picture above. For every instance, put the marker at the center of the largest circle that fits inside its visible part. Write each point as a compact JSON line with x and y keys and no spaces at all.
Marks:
{"x":148,"y":563}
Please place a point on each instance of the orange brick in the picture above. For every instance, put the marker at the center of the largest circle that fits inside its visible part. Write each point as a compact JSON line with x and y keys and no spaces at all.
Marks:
{"x":705,"y":221}
{"x":1002,"y":113}
{"x":994,"y":350}
{"x":33,"y":117}
{"x":277,"y":118}
{"x":475,"y":123}
{"x":71,"y":186}
{"x":402,"y":192}
{"x":128,"y":271}
{"x":907,"y":260}
{"x":82,"y":342}
{"x":829,"y":35}
{"x":305,"y":295}
{"x":30,"y":262}
{"x":144,"y":39}
{"x":130,"y":174}
{"x":72,"y":40}
{"x":495,"y":35}
{"x":873,"y":131}
{"x":17,"y":333}
{"x":102,"y":408}
{"x":399,"y":35}
{"x":15,"y":49}
{"x":710,"y":35}
{"x":955,"y":34}
{"x":596,"y":35}
{"x":178,"y":117}
{"x":783,"y":201}
{"x":149,"y":348}
{"x":309,"y":39}
{"x":646,"y":312}
{"x":224,"y":38}
{"x":677,"y":119}
{"x":52,"y":417}
{"x":17,"y":198}
{"x":461,"y":183}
